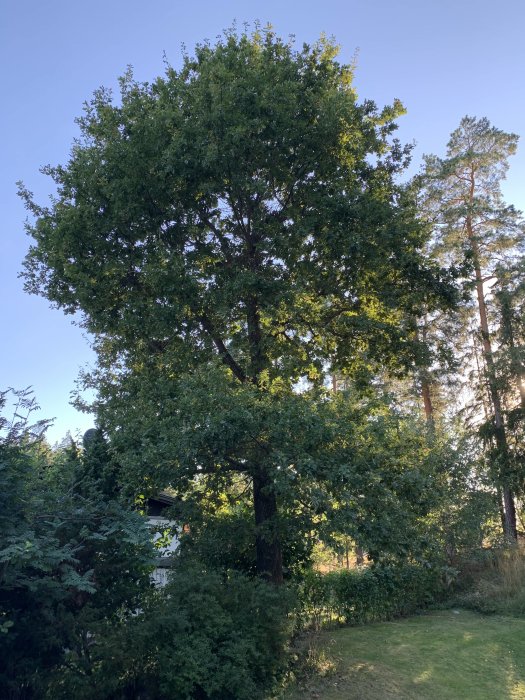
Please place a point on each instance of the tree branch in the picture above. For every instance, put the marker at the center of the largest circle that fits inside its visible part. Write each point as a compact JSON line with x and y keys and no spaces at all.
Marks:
{"x":222,"y":349}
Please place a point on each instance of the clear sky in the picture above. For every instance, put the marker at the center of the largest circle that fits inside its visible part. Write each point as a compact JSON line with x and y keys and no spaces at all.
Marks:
{"x":442,"y":58}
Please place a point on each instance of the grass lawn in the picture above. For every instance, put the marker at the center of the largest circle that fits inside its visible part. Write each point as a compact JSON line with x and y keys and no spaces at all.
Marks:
{"x":446,"y":655}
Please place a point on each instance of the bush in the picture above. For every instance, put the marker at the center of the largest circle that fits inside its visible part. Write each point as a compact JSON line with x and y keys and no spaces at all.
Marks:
{"x":209,"y":635}
{"x":366,"y":595}
{"x":71,"y":558}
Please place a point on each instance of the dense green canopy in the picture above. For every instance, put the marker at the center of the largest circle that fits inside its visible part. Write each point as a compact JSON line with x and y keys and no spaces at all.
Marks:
{"x":242,"y":210}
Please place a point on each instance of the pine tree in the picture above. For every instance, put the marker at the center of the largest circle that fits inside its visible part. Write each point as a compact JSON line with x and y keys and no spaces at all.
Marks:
{"x":463,"y":199}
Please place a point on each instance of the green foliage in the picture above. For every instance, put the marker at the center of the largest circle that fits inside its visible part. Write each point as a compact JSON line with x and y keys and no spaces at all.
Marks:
{"x":78,"y":616}
{"x":379,"y":592}
{"x":342,"y":464}
{"x":240,"y":212}
{"x":69,"y":560}
{"x":209,"y":635}
{"x":465,"y":188}
{"x":507,"y":308}
{"x":467,"y":520}
{"x":278,"y":190}
{"x":466,"y":515}
{"x":219,"y":534}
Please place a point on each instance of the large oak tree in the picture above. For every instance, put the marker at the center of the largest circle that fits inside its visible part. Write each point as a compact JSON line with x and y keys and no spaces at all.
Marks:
{"x":241,"y":212}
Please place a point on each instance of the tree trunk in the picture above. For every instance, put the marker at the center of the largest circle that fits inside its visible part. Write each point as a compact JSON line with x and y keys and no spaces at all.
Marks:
{"x":359,"y":555}
{"x":511,"y":530}
{"x":515,"y":365}
{"x":424,"y":379}
{"x":427,"y":401}
{"x":268,"y":546}
{"x":269,"y":560}
{"x":485,"y":398}
{"x":499,"y":426}
{"x":501,"y":509}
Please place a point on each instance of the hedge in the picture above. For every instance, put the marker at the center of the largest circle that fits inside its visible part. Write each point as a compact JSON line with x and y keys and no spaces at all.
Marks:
{"x":371,"y":594}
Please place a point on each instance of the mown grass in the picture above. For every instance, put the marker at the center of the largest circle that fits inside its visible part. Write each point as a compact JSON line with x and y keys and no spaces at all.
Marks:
{"x":445,"y":655}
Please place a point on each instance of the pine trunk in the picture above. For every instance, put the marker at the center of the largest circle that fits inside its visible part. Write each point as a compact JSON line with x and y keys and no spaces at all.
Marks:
{"x":427,"y":401}
{"x":424,"y":379}
{"x":510,"y":529}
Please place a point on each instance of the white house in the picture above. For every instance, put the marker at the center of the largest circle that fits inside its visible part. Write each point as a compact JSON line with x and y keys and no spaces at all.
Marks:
{"x":163,"y":534}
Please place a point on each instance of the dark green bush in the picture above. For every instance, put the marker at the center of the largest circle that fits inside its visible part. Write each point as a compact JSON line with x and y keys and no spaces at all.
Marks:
{"x":209,"y":635}
{"x":71,"y":557}
{"x":370,"y":594}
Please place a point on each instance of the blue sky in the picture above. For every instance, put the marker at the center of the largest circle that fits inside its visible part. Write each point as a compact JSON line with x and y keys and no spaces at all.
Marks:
{"x":442,"y":58}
